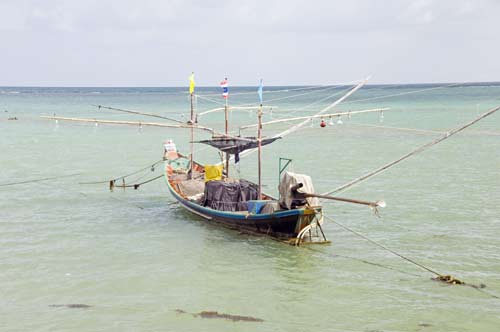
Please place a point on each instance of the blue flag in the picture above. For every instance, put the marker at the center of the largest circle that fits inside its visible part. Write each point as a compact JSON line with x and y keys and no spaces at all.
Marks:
{"x":260,"y":91}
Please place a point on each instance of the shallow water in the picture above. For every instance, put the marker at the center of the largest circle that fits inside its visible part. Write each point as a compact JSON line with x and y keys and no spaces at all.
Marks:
{"x":136,"y":256}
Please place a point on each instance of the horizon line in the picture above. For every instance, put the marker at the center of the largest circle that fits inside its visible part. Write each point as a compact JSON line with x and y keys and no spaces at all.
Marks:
{"x":241,"y":86}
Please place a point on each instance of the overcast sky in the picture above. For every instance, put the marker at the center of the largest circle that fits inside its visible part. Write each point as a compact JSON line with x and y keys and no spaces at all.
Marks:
{"x":287,"y":42}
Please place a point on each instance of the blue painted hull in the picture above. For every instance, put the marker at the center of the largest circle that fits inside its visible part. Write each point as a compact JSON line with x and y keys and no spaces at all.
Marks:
{"x":284,"y":224}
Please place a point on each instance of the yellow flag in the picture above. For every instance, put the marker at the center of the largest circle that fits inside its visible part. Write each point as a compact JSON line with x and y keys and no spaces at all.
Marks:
{"x":191,"y":84}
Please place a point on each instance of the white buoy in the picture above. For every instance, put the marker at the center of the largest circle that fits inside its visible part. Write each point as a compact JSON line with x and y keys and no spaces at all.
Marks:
{"x":339,"y":121}
{"x":331,"y":122}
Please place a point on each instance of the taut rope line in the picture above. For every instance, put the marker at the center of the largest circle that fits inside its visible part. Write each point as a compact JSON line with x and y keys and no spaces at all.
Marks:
{"x":39,"y":180}
{"x":383,"y":247}
{"x":150,"y":166}
{"x":137,"y":113}
{"x":418,"y":150}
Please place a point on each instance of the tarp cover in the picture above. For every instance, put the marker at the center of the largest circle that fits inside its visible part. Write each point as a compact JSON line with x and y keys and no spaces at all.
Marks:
{"x":287,"y":181}
{"x":233,"y":145}
{"x":229,"y":196}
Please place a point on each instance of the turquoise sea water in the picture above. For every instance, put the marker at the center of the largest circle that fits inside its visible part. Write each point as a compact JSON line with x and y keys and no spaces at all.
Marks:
{"x":136,"y":257}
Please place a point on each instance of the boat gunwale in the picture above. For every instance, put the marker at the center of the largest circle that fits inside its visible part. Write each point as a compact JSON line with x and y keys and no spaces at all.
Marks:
{"x":199,"y":209}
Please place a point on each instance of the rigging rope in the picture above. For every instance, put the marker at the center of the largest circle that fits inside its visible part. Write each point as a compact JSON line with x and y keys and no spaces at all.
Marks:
{"x":406,"y":93}
{"x":39,"y":180}
{"x":416,"y":151}
{"x":293,"y":89}
{"x":424,"y":131}
{"x":300,"y":125}
{"x":138,"y":113}
{"x":427,"y":131}
{"x":293,"y":96}
{"x":211,"y":100}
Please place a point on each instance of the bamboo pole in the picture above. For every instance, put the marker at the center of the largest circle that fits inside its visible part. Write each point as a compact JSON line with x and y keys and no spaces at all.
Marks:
{"x":317,"y":116}
{"x":259,"y":138}
{"x":233,"y":108}
{"x":326,"y":109}
{"x":191,"y":152}
{"x":409,"y":154}
{"x":137,"y":112}
{"x":132,"y":123}
{"x":300,"y":125}
{"x":348,"y":200}
{"x":299,"y":194}
{"x":226,"y":132}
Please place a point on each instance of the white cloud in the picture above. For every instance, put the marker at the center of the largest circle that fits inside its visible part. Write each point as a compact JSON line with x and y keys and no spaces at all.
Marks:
{"x":128,"y":42}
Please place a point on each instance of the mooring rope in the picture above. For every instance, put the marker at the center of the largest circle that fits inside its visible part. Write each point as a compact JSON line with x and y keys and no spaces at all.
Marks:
{"x":383,"y":247}
{"x":39,"y":180}
{"x":150,"y":166}
{"x":416,"y":151}
{"x":135,"y":186}
{"x":387,"y":267}
{"x":87,"y":196}
{"x":439,"y":277}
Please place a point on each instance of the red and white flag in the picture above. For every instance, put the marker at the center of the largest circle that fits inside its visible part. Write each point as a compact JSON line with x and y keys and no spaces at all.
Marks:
{"x":225,"y":90}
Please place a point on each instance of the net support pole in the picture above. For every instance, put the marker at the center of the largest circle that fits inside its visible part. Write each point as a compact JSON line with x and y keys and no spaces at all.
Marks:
{"x":259,"y":139}
{"x":226,"y":131}
{"x":191,"y":152}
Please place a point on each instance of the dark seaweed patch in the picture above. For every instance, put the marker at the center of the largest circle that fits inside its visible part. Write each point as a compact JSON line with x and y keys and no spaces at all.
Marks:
{"x":71,"y":305}
{"x":217,"y":315}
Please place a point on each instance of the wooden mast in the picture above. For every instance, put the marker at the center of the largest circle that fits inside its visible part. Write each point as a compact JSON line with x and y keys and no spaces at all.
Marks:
{"x":191,"y":152}
{"x":226,"y":130}
{"x":259,"y":139}
{"x":191,"y":122}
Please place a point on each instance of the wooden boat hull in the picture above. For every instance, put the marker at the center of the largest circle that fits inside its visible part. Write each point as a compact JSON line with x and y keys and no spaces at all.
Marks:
{"x":283,"y":225}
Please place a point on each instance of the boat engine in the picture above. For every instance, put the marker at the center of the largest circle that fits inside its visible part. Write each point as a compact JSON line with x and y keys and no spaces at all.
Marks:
{"x":292,"y":190}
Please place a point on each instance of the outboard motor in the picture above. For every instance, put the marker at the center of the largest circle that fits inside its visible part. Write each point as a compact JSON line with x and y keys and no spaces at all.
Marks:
{"x":292,"y":188}
{"x":298,"y":198}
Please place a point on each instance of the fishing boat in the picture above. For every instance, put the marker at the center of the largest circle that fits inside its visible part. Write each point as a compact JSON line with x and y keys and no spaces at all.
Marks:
{"x":296,"y":215}
{"x":235,"y":203}
{"x":208,"y":191}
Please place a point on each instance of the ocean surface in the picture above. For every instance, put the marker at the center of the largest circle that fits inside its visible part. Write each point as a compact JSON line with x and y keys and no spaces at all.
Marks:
{"x":144,"y":264}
